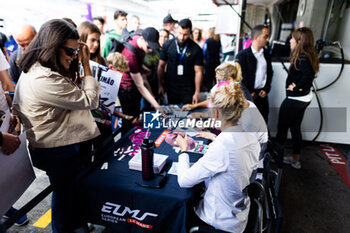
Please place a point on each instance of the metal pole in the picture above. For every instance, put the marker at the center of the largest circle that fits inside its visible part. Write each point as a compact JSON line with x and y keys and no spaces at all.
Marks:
{"x":238,"y":14}
{"x":327,"y":19}
{"x":238,"y":35}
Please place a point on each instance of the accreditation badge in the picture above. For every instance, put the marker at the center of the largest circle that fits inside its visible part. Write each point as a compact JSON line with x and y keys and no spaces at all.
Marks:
{"x":180,"y":70}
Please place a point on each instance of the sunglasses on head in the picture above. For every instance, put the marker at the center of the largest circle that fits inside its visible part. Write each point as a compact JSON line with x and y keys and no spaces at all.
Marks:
{"x":220,"y":80}
{"x":70,"y":52}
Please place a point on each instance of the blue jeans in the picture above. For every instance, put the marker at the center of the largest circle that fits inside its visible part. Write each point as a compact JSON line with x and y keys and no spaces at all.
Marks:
{"x":145,"y":106}
{"x":62,"y":165}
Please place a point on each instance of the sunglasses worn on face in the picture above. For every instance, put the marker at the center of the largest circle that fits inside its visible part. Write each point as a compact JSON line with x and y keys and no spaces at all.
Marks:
{"x":70,"y":52}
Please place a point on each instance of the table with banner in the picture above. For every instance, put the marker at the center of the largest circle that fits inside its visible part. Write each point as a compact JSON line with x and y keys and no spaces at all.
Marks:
{"x":111,"y":197}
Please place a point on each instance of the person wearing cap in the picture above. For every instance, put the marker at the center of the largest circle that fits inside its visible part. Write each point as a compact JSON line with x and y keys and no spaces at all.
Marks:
{"x":169,"y":24}
{"x":184,"y":61}
{"x":132,"y":85}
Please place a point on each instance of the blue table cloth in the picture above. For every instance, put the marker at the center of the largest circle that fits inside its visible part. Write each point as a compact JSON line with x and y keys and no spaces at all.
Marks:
{"x":111,"y":197}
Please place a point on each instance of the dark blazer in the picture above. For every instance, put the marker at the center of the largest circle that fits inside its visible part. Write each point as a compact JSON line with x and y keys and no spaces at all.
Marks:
{"x":302,"y":77}
{"x":248,"y":63}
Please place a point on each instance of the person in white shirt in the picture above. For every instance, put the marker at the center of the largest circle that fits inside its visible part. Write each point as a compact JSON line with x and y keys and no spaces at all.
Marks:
{"x":251,"y":119}
{"x":8,"y":142}
{"x":227,"y":166}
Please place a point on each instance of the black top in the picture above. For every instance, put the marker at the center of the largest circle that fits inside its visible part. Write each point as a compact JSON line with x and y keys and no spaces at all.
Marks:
{"x":3,"y":39}
{"x":302,"y":77}
{"x":212,"y":52}
{"x":181,"y":84}
{"x":248,"y":63}
{"x":151,"y":62}
{"x":14,"y":71}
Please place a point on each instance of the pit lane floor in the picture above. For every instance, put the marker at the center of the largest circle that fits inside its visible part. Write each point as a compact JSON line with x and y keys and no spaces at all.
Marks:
{"x":314,"y":199}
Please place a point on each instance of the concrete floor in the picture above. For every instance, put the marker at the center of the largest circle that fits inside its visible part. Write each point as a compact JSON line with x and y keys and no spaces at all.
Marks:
{"x":314,"y":199}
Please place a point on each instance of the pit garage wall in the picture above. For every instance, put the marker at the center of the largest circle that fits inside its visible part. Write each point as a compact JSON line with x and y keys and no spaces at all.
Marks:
{"x":335,"y":102}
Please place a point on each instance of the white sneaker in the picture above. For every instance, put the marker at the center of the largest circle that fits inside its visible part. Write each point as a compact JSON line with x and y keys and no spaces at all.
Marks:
{"x":296,"y":164}
{"x":289,"y":160}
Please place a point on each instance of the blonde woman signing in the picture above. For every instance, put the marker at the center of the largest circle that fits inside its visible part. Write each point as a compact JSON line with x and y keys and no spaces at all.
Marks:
{"x":227,"y":166}
{"x":251,"y":119}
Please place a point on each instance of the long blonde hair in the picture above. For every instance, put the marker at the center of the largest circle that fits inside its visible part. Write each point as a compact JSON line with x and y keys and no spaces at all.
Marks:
{"x":305,"y":46}
{"x":229,"y":100}
{"x":229,"y":70}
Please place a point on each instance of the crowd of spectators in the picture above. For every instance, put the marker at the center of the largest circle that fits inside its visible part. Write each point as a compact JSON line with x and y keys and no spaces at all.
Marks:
{"x":57,"y":101}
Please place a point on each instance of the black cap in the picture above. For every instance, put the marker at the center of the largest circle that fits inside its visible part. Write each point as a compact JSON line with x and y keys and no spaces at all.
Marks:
{"x":169,"y":19}
{"x":151,"y":35}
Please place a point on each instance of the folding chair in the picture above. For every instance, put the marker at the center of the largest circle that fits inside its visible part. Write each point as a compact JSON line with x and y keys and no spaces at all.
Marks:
{"x":256,"y":193}
{"x":276,"y":152}
{"x":271,"y":181}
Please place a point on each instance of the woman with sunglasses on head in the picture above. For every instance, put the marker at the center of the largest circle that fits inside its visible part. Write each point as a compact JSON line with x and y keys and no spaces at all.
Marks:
{"x":251,"y":119}
{"x":224,"y":72}
{"x":56,"y":113}
{"x":304,"y":65}
{"x":226,"y":167}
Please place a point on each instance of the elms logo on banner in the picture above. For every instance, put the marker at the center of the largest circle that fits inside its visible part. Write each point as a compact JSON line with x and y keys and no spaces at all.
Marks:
{"x":116,"y":213}
{"x":151,"y":120}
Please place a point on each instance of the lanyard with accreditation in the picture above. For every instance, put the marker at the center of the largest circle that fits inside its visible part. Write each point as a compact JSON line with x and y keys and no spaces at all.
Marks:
{"x":180,"y":67}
